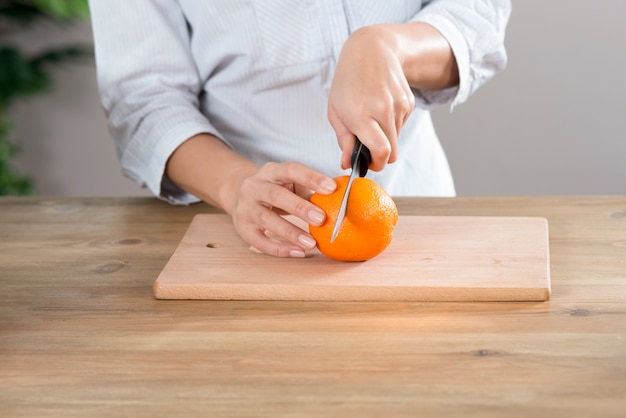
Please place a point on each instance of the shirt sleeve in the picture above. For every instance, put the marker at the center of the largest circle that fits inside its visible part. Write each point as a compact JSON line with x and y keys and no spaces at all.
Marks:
{"x":475,"y":30}
{"x":149,"y":87}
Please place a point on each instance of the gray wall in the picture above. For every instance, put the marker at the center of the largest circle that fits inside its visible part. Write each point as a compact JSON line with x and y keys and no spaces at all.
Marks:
{"x":552,"y":123}
{"x":66,"y":147}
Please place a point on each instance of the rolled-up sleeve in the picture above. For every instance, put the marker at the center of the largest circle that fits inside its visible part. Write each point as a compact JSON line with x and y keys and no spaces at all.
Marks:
{"x":149,"y":87}
{"x":475,"y":30}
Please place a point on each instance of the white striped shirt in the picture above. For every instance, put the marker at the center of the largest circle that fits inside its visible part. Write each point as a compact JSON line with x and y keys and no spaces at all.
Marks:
{"x":257,"y":74}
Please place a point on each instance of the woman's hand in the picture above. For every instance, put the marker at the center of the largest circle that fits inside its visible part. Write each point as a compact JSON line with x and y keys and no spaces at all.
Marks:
{"x":371,"y":96}
{"x":254,"y":196}
{"x":273,"y":190}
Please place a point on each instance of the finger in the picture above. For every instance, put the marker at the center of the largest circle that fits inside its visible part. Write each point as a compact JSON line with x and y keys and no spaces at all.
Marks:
{"x":393,"y":143}
{"x":258,"y":238}
{"x":263,"y":239}
{"x":375,"y":126}
{"x":388,"y":124}
{"x":392,"y":112}
{"x":408,"y":105}
{"x":345,"y":138}
{"x":272,"y":234}
{"x":390,"y":119}
{"x":403,"y":111}
{"x":370,"y":133}
{"x":282,"y":199}
{"x":404,"y":105}
{"x":299,"y":175}
{"x":346,"y":143}
{"x":373,"y":136}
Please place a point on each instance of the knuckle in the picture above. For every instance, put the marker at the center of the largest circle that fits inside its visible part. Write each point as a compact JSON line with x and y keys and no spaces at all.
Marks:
{"x":404,"y":103}
{"x":269,"y":166}
{"x":264,"y":217}
{"x":291,"y":169}
{"x":275,"y":250}
{"x":271,"y":247}
{"x":290,"y":232}
{"x":257,"y":238}
{"x":274,"y":194}
{"x":311,"y":180}
{"x":276,"y":247}
{"x":378,"y":108}
{"x":382,"y":148}
{"x":301,"y":208}
{"x":410,"y":97}
{"x":247,"y":187}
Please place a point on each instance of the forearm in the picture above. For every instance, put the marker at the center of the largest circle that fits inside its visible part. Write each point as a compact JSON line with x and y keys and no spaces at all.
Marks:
{"x":423,"y":52}
{"x":207,"y":168}
{"x":426,"y":57}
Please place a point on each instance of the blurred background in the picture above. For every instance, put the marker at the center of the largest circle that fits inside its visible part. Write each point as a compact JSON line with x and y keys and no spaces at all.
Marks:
{"x":552,"y":123}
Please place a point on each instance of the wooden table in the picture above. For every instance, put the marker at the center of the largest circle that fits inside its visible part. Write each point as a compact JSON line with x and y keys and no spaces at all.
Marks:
{"x":81,"y":334}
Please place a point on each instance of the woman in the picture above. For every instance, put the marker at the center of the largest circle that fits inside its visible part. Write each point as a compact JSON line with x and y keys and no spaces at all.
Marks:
{"x":253,"y":105}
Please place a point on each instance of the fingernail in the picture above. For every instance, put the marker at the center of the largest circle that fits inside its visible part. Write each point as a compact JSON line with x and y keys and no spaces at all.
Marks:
{"x":307,"y":241}
{"x":328,"y":185}
{"x":317,"y":217}
{"x":296,"y":253}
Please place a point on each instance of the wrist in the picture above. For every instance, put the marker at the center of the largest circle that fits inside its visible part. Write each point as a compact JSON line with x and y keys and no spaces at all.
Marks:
{"x":207,"y":168}
{"x":423,"y":53}
{"x":230,"y":185}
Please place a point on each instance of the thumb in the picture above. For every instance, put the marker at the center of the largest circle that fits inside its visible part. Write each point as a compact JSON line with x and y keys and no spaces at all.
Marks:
{"x":345,"y":138}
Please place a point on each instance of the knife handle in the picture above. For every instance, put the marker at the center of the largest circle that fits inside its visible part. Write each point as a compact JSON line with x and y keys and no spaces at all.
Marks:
{"x":364,"y":156}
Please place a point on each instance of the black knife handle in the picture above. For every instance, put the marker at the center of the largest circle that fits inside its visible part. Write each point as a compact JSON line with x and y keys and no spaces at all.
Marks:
{"x":365,"y":158}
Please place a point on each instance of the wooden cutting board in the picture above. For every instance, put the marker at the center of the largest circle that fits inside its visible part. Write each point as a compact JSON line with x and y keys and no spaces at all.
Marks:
{"x":431,"y":258}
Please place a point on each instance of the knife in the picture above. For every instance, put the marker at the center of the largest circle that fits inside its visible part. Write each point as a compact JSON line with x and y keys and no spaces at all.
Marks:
{"x":361,"y":159}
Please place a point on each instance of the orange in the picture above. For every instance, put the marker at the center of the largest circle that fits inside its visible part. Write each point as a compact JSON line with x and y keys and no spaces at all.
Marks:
{"x":367,"y":229}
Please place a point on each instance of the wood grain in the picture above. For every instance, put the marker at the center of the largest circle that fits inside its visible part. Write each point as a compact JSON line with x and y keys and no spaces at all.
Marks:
{"x":431,"y":258}
{"x":82,"y":335}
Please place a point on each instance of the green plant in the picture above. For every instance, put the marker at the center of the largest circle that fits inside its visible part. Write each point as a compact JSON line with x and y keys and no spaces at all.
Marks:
{"x":22,"y":75}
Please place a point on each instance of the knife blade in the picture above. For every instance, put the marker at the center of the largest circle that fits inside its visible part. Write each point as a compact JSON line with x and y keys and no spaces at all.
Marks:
{"x":360,"y":160}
